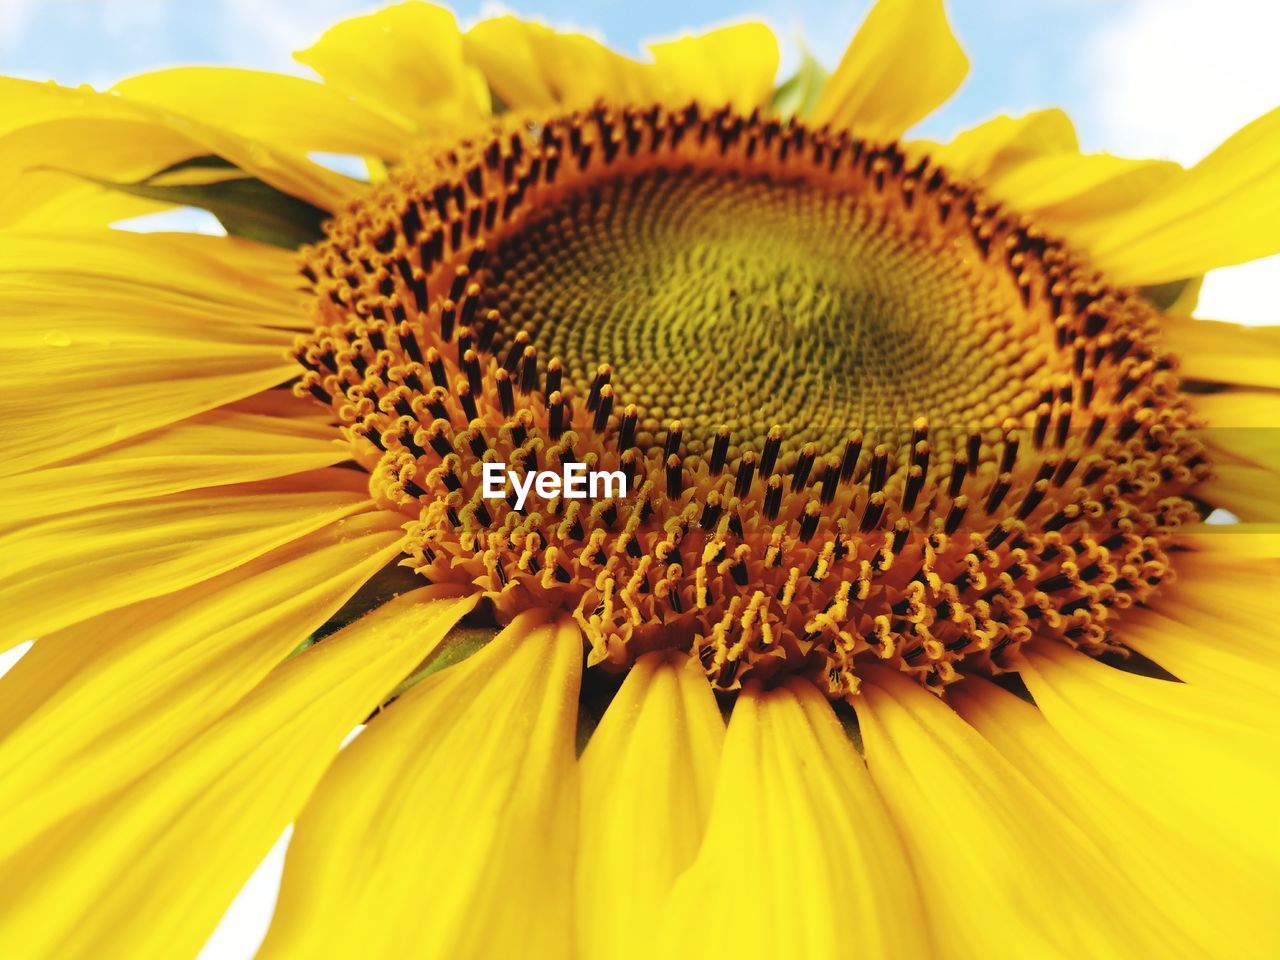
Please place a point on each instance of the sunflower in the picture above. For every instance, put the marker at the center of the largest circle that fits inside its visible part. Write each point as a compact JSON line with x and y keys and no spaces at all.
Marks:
{"x":907,"y":639}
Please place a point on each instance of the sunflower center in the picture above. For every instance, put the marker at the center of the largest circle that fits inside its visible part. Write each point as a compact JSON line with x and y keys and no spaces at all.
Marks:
{"x":862,"y":413}
{"x":748,"y":301}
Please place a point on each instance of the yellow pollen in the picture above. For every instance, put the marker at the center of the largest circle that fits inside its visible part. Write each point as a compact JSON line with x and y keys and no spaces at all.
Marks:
{"x":863,"y":412}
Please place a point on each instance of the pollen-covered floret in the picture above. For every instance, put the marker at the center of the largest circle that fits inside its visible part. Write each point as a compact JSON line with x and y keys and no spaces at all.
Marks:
{"x":863,"y":413}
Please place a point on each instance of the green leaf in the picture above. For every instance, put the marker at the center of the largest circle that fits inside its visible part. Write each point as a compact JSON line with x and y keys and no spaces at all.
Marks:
{"x":497,"y":105}
{"x":244,"y":205}
{"x":458,"y":644}
{"x":799,"y":93}
{"x":1177,"y":297}
{"x":385,"y":585}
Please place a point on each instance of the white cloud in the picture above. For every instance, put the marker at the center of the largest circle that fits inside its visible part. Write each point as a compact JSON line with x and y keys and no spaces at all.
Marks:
{"x":114,"y":19}
{"x":14,"y":17}
{"x":266,"y":34}
{"x":1174,"y":78}
{"x":121,"y":19}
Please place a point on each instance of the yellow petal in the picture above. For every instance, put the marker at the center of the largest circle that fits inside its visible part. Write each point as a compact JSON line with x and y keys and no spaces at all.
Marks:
{"x":1214,"y":625}
{"x":290,"y":112}
{"x":502,"y":49}
{"x":52,"y":663}
{"x":110,"y":699}
{"x":531,"y":66}
{"x":1228,"y":576}
{"x":1248,"y":492}
{"x":735,"y":65}
{"x":231,"y":279}
{"x":1002,"y":871}
{"x":71,"y":320}
{"x":1224,"y":210}
{"x":105,"y":342}
{"x":1005,"y":143}
{"x":1197,"y":894}
{"x":38,"y":191}
{"x":27,"y":102}
{"x":1224,"y":352}
{"x":1033,"y":163}
{"x":286,"y":170}
{"x":1244,"y":426}
{"x":1244,"y":542}
{"x":148,"y":873}
{"x":1224,"y":655}
{"x":68,"y":568}
{"x":800,"y":859}
{"x":225,"y":446}
{"x":1238,"y":409}
{"x":647,"y":776}
{"x":1195,"y":761}
{"x":582,"y":70}
{"x":109,"y":396}
{"x":1068,"y":192}
{"x":404,"y":61}
{"x":903,"y":62}
{"x":447,"y":828}
{"x":62,"y":401}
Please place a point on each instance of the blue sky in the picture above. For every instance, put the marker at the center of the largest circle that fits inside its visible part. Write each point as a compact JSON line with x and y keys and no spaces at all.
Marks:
{"x":1159,"y":78}
{"x":1025,"y":53}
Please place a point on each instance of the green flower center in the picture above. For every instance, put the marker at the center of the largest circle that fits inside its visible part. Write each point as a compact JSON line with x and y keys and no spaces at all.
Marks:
{"x":754,"y":301}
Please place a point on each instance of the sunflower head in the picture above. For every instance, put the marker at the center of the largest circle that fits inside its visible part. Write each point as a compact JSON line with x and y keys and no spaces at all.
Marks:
{"x":901,"y":637}
{"x":864,"y":412}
